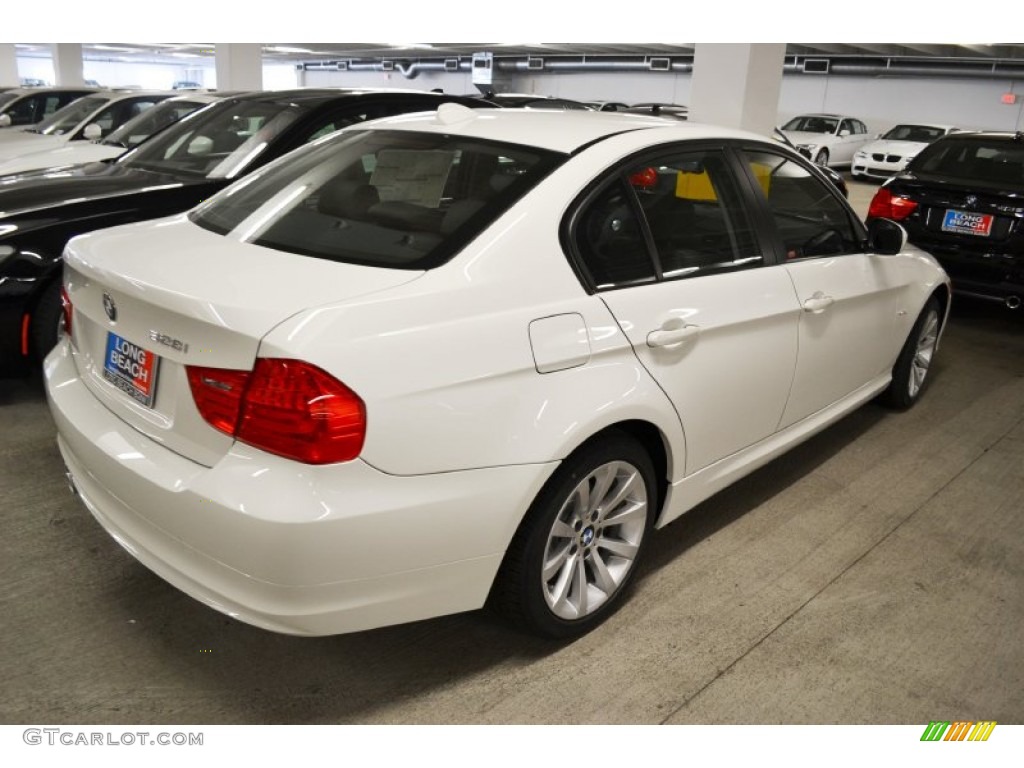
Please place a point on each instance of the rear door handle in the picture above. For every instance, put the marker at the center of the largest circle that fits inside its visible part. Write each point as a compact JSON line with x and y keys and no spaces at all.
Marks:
{"x":672,"y":337}
{"x":818,"y":303}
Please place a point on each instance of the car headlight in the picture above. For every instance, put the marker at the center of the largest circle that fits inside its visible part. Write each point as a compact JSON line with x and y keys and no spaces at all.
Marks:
{"x":908,"y":158}
{"x":861,"y":155}
{"x":806,"y":146}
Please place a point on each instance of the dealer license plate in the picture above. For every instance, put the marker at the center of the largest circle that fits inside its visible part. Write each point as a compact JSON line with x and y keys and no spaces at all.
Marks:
{"x":964,"y":223}
{"x":131,"y":368}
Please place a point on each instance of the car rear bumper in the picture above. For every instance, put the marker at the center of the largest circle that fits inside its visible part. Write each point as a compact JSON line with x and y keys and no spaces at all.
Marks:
{"x":991,"y":276}
{"x":284,"y":546}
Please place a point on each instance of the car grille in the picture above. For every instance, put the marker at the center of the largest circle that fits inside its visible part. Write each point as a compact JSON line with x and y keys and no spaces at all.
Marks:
{"x":880,"y":158}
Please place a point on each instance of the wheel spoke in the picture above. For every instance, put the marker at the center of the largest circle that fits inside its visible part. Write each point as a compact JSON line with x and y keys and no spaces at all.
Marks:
{"x":581,"y":499}
{"x":555,"y":563}
{"x":633,"y":511}
{"x":560,"y":593}
{"x":604,"y":482}
{"x":624,"y":489}
{"x":580,"y":585}
{"x":602,"y":577}
{"x":562,"y":530}
{"x":618,"y":547}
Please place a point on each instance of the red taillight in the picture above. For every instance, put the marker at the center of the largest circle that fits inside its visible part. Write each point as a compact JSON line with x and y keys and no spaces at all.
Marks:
{"x":645,"y":179}
{"x":218,"y":395}
{"x":66,"y":309}
{"x":286,"y":407}
{"x":885,"y":205}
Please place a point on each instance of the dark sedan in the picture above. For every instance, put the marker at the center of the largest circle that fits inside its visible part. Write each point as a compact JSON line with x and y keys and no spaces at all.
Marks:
{"x":962,"y":200}
{"x":172,"y":172}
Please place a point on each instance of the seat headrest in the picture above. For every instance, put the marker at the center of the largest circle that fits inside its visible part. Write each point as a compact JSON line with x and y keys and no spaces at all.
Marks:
{"x":347,"y":199}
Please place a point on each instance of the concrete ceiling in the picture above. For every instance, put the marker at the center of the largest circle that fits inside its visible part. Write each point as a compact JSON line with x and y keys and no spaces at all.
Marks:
{"x":203,"y":53}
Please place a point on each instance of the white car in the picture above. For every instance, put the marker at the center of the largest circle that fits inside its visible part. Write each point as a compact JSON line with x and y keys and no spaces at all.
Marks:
{"x":128,"y":136}
{"x":830,"y":139}
{"x":471,"y":354}
{"x":892,"y":151}
{"x":87,"y":119}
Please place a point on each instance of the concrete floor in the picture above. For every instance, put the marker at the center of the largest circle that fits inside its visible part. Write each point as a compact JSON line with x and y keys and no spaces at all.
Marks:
{"x":873,"y":575}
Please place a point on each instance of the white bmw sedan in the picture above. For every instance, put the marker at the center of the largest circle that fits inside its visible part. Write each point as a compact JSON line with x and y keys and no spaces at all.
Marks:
{"x":890,"y":153}
{"x":474,"y":355}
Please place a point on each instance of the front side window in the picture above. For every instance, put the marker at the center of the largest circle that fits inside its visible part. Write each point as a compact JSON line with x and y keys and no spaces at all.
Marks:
{"x":811,"y":221}
{"x":680,"y":215}
{"x":396,"y":199}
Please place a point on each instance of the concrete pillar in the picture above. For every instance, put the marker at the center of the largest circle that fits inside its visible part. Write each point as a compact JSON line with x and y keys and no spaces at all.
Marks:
{"x":67,"y":63}
{"x":737,"y":85}
{"x":239,"y":66}
{"x":9,"y":65}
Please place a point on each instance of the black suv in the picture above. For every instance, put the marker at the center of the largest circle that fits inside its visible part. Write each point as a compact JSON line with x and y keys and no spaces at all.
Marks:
{"x":962,"y":200}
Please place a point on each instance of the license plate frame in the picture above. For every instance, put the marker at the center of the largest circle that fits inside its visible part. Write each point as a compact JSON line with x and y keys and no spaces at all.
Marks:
{"x":967,"y":223}
{"x":131,"y":368}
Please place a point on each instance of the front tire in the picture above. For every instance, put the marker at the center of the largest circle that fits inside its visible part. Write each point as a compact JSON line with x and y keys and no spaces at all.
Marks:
{"x":910,"y":374}
{"x":822,"y":157}
{"x":577,"y":548}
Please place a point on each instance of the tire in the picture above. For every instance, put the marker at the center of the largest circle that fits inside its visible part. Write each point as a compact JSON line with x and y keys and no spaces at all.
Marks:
{"x":591,"y":541}
{"x":910,"y":374}
{"x":46,"y":320}
{"x":821,"y":158}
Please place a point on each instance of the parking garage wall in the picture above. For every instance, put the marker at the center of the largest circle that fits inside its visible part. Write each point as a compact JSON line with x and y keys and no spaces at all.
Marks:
{"x":881,"y":102}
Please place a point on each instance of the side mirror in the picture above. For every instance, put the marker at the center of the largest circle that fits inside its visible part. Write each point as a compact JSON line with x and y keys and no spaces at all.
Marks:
{"x":844,"y":133}
{"x":886,"y":237}
{"x":5,"y":121}
{"x":92,"y":132}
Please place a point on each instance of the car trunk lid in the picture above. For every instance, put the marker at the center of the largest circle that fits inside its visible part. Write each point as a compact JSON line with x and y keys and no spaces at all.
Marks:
{"x":142,"y":314}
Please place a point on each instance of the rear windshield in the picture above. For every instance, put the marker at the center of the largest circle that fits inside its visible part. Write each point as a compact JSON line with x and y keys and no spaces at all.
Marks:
{"x":980,"y":161}
{"x":395,"y":199}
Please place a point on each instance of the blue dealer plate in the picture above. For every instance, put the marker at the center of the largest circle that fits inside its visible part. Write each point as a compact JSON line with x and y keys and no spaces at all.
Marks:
{"x":131,"y":368}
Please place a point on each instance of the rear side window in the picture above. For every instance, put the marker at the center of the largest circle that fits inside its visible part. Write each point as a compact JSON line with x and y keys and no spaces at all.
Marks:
{"x":393,"y":199}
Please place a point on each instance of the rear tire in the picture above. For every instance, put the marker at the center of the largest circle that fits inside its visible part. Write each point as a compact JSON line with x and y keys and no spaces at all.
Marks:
{"x":576,"y":550}
{"x":910,"y":374}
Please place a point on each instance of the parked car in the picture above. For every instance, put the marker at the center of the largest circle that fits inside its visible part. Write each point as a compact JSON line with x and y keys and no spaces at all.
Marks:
{"x":831,"y":139}
{"x":890,"y":153}
{"x":661,"y":109}
{"x":607,"y":106}
{"x":86,"y":119}
{"x":170,"y":173}
{"x":437,"y":359}
{"x":128,"y":136}
{"x":961,"y":199}
{"x":534,"y":101}
{"x":831,"y":174}
{"x":186,"y":85}
{"x":28,"y":106}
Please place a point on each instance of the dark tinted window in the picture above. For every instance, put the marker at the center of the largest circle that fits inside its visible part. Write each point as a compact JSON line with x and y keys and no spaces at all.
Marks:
{"x":976,"y":160}
{"x":395,"y":199}
{"x":810,"y":219}
{"x":812,"y":124}
{"x":678,"y":216}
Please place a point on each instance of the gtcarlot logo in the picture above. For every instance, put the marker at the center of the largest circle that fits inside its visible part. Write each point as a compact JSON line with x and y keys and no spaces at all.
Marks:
{"x":69,"y":738}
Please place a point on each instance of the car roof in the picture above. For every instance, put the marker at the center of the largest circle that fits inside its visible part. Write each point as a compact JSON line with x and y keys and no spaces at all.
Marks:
{"x":559,"y":131}
{"x":316,"y":96}
{"x":83,"y":89}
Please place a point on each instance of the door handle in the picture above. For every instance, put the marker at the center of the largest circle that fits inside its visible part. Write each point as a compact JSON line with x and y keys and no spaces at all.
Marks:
{"x":672,"y":337}
{"x":818,"y":303}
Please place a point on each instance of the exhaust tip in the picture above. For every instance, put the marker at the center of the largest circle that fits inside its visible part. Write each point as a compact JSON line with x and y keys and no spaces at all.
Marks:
{"x":1013,"y":302}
